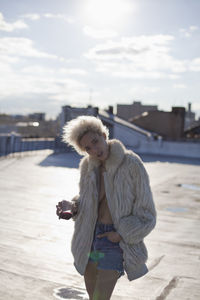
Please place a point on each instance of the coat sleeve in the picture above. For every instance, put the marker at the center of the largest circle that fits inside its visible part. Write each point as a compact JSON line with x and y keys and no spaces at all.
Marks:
{"x":76,"y":200}
{"x":135,"y":227}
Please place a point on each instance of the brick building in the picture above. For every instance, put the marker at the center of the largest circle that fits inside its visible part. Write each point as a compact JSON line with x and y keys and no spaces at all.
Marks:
{"x":170,"y":125}
{"x":127,"y":111}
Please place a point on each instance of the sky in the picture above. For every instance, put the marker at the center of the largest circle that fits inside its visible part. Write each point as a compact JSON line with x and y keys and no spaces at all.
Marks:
{"x":98,"y":52}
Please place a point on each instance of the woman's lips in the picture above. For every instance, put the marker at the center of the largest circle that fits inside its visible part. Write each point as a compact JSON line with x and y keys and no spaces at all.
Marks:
{"x":100,"y":154}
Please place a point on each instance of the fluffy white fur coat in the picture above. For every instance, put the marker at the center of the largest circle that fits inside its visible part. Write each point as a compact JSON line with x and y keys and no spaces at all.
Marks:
{"x":130,"y":202}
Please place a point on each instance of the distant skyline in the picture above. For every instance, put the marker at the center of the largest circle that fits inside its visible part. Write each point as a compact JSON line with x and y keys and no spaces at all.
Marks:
{"x":98,"y":52}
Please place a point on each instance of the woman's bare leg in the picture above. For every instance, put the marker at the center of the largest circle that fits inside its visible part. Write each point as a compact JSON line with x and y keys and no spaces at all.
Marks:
{"x":90,"y":277}
{"x":105,"y":283}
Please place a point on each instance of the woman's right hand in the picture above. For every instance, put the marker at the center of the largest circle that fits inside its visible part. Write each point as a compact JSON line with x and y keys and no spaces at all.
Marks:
{"x":63,"y":205}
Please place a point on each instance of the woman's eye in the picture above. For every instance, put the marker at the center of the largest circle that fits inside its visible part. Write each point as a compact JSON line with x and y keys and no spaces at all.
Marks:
{"x":95,"y":141}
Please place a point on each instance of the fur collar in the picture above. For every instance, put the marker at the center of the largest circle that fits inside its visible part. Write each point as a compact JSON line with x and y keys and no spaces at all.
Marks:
{"x":116,"y":156}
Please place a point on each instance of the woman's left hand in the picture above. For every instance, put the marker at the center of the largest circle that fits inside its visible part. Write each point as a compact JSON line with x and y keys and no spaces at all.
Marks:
{"x":112,"y":236}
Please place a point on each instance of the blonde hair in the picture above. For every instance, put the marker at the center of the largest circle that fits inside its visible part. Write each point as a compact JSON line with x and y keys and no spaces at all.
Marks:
{"x":74,"y":130}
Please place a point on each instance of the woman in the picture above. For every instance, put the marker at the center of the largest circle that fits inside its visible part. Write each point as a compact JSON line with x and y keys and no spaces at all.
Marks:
{"x":113,"y":212}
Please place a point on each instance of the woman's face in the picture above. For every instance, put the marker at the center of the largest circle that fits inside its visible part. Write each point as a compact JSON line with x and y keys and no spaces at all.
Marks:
{"x":95,"y":145}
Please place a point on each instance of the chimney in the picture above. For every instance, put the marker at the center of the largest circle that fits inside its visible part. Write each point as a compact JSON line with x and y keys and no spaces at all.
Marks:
{"x":181,"y":112}
{"x":110,"y":109}
{"x":96,"y":111}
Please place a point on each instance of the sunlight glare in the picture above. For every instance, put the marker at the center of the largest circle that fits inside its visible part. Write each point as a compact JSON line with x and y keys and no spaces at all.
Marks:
{"x":107,"y":12}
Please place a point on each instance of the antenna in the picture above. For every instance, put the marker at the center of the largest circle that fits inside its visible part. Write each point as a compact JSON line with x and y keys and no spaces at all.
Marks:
{"x":90,"y":97}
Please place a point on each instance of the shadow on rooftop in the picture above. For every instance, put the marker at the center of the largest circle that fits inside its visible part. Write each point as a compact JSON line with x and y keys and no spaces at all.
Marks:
{"x":72,"y":159}
{"x":68,"y":160}
{"x":170,"y":159}
{"x":69,"y":293}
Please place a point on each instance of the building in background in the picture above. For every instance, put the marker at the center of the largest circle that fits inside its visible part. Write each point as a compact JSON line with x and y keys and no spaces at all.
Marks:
{"x":29,"y":126}
{"x":170,"y":125}
{"x":68,"y":113}
{"x":164,"y":134}
{"x":189,"y":117}
{"x":193,"y":133}
{"x":129,"y":134}
{"x":37,"y":116}
{"x":127,"y":111}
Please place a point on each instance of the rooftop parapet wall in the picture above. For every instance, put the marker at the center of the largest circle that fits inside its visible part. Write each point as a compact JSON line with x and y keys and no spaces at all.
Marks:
{"x":146,"y":142}
{"x":13,"y":143}
{"x":177,"y":149}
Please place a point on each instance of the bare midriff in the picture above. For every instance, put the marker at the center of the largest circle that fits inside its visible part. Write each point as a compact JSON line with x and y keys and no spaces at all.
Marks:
{"x":104,"y":215}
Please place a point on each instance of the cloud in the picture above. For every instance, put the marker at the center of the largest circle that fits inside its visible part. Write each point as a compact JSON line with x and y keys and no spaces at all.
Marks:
{"x":59,"y":16}
{"x":179,"y":86}
{"x":195,"y":65}
{"x":193,"y":28}
{"x":23,"y":79}
{"x":37,"y":80}
{"x":99,"y":34}
{"x":32,"y":17}
{"x":21,"y":47}
{"x":40,"y":70}
{"x":187,"y":32}
{"x":9,"y":27}
{"x":143,"y":90}
{"x":25,"y":75}
{"x":73,"y":71}
{"x":138,"y":57}
{"x":36,"y":16}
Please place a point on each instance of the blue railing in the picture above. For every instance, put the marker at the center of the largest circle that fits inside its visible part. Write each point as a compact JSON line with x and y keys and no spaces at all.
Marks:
{"x":10,"y":144}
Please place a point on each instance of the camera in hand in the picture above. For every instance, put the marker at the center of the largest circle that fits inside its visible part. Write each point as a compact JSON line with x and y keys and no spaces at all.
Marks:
{"x":65,"y":215}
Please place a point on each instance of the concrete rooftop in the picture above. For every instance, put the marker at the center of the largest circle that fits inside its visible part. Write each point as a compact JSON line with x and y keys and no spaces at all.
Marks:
{"x":36,"y":263}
